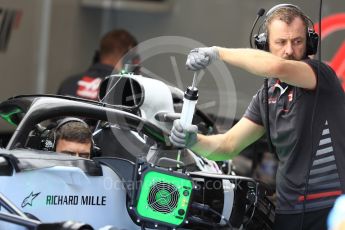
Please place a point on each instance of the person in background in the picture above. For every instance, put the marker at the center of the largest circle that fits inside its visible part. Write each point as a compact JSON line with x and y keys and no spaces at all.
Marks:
{"x":113,"y":55}
{"x":301,"y":115}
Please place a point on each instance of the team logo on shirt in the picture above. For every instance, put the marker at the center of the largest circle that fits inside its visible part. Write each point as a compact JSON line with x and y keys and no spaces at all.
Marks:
{"x":290,"y":96}
{"x":272,"y":100}
{"x":88,"y":87}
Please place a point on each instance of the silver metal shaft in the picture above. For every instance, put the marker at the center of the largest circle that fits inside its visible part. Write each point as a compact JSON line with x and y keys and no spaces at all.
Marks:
{"x":194,"y":80}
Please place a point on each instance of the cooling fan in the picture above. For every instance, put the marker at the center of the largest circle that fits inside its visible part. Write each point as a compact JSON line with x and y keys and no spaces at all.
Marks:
{"x":164,"y":197}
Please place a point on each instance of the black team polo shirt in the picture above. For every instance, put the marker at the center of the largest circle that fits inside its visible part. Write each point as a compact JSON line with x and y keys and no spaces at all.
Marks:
{"x":308,"y":133}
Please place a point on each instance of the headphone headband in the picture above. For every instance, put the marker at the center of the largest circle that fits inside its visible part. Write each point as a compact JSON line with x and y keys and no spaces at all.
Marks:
{"x":283,"y":5}
{"x":287,"y":5}
{"x":66,"y":120}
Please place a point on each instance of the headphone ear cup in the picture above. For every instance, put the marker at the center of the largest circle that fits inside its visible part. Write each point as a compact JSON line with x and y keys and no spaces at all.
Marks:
{"x":312,"y":42}
{"x":260,"y":41}
{"x":48,"y":140}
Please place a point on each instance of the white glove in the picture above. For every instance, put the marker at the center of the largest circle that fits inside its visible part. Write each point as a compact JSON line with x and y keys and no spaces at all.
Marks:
{"x":183,"y":137}
{"x":200,"y":58}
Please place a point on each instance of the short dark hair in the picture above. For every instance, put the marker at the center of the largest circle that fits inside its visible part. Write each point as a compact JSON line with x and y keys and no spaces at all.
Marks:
{"x":119,"y":40}
{"x":74,"y":131}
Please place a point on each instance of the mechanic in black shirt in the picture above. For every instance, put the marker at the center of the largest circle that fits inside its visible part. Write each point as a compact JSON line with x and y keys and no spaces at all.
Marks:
{"x":306,"y":104}
{"x":113,"y":55}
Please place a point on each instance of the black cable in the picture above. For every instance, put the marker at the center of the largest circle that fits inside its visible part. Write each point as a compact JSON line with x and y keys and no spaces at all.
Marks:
{"x":205,"y":207}
{"x":265,"y":99}
{"x":312,"y":119}
{"x":267,"y":118}
{"x":251,"y":216}
{"x":254,"y":204}
{"x":199,"y":221}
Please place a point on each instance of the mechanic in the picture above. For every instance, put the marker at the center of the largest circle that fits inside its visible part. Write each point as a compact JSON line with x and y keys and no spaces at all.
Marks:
{"x":305,"y":103}
{"x":114,"y":52}
{"x":73,"y":136}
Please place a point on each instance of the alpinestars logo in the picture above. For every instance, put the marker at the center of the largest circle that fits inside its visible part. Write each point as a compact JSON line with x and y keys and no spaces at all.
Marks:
{"x":28,"y":200}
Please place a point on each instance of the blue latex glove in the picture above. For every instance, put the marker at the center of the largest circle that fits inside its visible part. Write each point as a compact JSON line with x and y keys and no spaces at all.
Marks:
{"x":200,"y":58}
{"x":183,"y":138}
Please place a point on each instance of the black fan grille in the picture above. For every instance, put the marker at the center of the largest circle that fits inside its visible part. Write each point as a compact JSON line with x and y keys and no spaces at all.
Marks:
{"x":163,"y":197}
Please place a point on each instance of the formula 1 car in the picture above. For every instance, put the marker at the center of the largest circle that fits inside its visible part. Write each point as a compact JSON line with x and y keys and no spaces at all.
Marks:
{"x":159,"y":188}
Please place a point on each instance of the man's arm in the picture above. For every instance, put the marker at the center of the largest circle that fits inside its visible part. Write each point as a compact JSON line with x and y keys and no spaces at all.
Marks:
{"x":227,"y":145}
{"x":261,"y":63}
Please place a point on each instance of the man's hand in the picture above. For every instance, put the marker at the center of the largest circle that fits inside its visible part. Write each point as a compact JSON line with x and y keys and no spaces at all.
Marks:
{"x":183,"y":138}
{"x":200,"y":58}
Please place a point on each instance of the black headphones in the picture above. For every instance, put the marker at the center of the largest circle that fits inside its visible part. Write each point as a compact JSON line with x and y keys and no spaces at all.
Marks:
{"x":261,"y":40}
{"x":48,"y":136}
